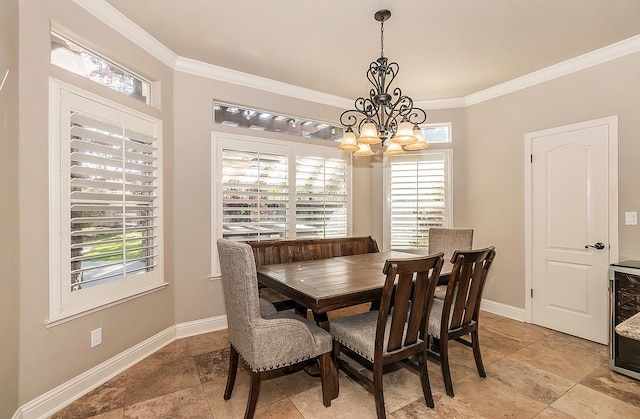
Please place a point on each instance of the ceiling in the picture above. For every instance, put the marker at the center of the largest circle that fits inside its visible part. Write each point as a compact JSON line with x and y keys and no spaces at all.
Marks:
{"x":445,"y":48}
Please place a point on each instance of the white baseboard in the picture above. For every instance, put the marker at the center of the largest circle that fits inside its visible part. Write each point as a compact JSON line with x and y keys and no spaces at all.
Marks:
{"x":59,"y":397}
{"x":198,"y":327}
{"x":515,"y":313}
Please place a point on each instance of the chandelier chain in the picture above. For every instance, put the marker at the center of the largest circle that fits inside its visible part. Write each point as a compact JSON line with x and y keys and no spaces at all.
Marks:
{"x":382,"y":38}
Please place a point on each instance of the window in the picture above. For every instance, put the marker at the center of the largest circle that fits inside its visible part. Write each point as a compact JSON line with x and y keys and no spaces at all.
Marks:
{"x":237,"y":116}
{"x":436,"y":133}
{"x":419,"y":197}
{"x":106,"y":225}
{"x":75,"y":58}
{"x":276,"y":190}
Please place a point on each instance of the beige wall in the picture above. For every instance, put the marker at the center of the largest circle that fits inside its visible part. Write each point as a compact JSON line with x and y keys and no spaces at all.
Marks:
{"x":9,"y":272}
{"x":49,"y":357}
{"x":494,"y":179}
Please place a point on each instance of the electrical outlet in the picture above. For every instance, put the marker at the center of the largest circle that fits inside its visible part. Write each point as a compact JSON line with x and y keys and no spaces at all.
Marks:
{"x":631,"y":218}
{"x":96,"y":337}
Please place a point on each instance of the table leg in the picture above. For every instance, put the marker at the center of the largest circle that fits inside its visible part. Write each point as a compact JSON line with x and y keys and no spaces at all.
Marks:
{"x":322,"y":320}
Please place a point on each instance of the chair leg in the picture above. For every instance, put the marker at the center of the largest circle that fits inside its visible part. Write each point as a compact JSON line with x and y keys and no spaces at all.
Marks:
{"x":476,"y":353}
{"x":231,"y":376}
{"x":444,"y":364}
{"x":377,"y":389}
{"x":326,"y":378}
{"x":254,"y":392}
{"x":424,"y":378}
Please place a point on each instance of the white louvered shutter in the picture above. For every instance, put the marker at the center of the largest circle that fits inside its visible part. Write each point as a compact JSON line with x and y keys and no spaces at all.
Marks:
{"x":112,"y":181}
{"x":321,"y":197}
{"x":417,"y":199}
{"x":255,"y":195}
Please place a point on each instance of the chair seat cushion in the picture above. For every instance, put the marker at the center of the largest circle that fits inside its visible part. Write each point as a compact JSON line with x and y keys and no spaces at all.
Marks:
{"x":266,"y":308}
{"x":358,"y":333}
{"x":435,"y":318}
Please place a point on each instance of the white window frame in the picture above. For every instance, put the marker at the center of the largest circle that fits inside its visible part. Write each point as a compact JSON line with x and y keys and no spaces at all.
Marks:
{"x":65,"y":305}
{"x":219,"y":140}
{"x":447,"y":154}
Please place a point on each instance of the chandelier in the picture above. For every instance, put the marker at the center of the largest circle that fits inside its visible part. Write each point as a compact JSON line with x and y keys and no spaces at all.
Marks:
{"x":383,"y":117}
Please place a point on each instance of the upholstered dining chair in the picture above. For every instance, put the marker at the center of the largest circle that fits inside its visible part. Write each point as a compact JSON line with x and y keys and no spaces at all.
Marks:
{"x":395,"y":331}
{"x":447,"y":241}
{"x":267,"y":341}
{"x":457,"y":315}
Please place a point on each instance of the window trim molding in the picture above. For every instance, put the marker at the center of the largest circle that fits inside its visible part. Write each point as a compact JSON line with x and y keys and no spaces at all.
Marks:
{"x":216,"y":184}
{"x":448,"y":157}
{"x":57,"y":314}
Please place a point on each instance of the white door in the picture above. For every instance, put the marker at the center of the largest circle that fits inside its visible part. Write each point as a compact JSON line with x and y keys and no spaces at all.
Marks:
{"x":570,"y":214}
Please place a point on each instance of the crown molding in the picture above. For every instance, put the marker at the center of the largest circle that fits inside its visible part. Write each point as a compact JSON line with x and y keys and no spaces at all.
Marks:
{"x":581,"y":62}
{"x":122,"y":24}
{"x":187,"y":65}
{"x":113,"y":18}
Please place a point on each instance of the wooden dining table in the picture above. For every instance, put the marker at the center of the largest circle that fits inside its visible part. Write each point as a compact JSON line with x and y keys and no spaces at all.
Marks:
{"x":328,"y":284}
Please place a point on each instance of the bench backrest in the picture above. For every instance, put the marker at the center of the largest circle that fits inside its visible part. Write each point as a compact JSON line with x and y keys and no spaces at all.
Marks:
{"x":284,"y":251}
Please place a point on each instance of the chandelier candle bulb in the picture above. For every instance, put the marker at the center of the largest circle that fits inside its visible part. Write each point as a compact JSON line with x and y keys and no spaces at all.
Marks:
{"x":386,"y":116}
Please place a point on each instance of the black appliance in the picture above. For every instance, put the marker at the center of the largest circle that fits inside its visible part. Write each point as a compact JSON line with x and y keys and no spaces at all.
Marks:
{"x":624,"y":288}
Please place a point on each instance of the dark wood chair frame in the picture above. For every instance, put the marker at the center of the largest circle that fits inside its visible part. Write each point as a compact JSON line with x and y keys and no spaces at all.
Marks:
{"x":461,"y":308}
{"x":408,"y":289}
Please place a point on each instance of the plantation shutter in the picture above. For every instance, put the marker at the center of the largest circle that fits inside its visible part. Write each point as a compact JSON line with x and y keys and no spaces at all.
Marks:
{"x":113,"y":200}
{"x":255,"y":195}
{"x":418,"y":199}
{"x":321,"y":197}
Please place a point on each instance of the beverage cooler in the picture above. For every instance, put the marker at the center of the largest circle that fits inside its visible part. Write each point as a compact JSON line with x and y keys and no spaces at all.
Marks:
{"x":624,"y":353}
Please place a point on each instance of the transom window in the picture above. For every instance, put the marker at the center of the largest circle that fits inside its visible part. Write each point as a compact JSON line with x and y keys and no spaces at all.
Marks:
{"x":237,"y":116}
{"x":73,"y":57}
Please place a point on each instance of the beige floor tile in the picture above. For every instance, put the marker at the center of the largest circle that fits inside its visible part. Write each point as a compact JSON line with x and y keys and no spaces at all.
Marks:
{"x":113,"y":414}
{"x":499,"y":342}
{"x":529,"y":381}
{"x":487,"y":317}
{"x":144,"y":384}
{"x":208,"y":342}
{"x":526,"y":333}
{"x":463,"y":355}
{"x":296,"y":383}
{"x":583,"y":402}
{"x":614,"y":384}
{"x":283,"y":409}
{"x":105,"y":398}
{"x":170,"y":353}
{"x":189,"y":403}
{"x":553,"y":413}
{"x":492,"y":398}
{"x":236,"y":405}
{"x":564,"y":355}
{"x":354,"y":402}
{"x":445,"y":407}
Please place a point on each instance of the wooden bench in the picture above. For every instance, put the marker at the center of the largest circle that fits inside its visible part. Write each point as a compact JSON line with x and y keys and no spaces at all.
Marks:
{"x":285,"y":251}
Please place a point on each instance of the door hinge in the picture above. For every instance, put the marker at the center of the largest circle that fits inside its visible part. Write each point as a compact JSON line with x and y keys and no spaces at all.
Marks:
{"x":531,"y":292}
{"x":531,"y":155}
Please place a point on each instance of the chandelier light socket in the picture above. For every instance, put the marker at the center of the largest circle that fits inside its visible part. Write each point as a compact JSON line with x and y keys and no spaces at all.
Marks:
{"x":393,"y":149}
{"x":349,"y":142}
{"x":364,"y":150}
{"x":369,"y":134}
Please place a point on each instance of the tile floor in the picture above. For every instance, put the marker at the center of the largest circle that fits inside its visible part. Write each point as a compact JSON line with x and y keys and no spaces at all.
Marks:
{"x":531,"y":372}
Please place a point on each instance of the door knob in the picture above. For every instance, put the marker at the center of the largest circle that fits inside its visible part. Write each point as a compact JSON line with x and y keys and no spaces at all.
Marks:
{"x":598,"y":246}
